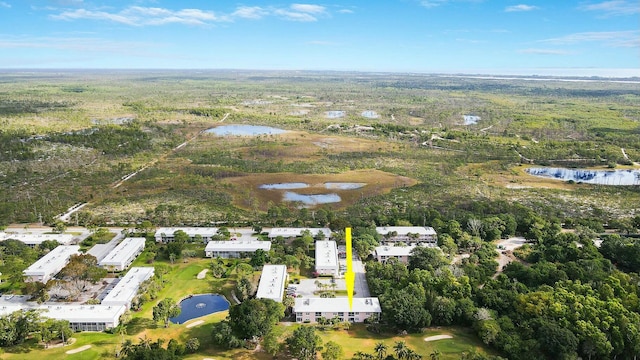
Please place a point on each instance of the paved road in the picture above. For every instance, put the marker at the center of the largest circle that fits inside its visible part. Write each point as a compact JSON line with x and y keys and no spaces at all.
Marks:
{"x":361,"y":287}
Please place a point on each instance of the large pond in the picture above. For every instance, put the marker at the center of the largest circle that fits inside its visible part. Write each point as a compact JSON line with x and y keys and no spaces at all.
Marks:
{"x":200,"y":305}
{"x":245,"y":130}
{"x":283,"y":186}
{"x":343,"y":185}
{"x":311,"y":200}
{"x":600,"y":177}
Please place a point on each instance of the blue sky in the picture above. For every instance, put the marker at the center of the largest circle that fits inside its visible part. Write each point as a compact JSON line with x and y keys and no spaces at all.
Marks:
{"x":591,"y":37}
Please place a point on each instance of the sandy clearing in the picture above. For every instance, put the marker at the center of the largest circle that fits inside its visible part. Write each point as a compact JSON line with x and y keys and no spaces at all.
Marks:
{"x":195,"y":323}
{"x":202,"y":274}
{"x":438,"y":337}
{"x":80,"y":349}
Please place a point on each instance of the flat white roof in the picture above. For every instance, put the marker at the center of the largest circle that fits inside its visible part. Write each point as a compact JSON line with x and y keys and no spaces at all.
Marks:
{"x":272,"y":281}
{"x":83,"y":313}
{"x":191,"y":231}
{"x":37,"y":238}
{"x":394,"y":250}
{"x":291,"y":232}
{"x":127,"y":287}
{"x":53,"y":261}
{"x":404,"y":230}
{"x":235,"y":245}
{"x":124,"y":251}
{"x":326,"y":254}
{"x":100,"y":251}
{"x":72,"y":312}
{"x":311,"y":305}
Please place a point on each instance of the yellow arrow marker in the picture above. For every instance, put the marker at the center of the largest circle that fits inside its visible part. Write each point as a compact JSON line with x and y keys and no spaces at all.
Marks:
{"x":349,"y":276}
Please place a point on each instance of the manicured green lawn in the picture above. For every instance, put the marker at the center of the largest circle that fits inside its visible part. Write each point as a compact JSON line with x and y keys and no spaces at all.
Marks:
{"x":359,"y":339}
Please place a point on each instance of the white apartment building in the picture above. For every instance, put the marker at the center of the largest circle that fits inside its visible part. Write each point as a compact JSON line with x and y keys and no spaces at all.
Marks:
{"x":410,"y":235}
{"x":235,"y":249}
{"x":310,"y":310}
{"x":292,"y":233}
{"x":272,"y":282}
{"x":50,"y":264}
{"x":127,"y":288}
{"x":34,"y":239}
{"x":80,"y":317}
{"x":327,"y":258}
{"x":121,"y":257}
{"x":165,"y":234}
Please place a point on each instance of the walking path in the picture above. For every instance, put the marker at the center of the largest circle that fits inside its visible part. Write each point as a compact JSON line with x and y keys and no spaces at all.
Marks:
{"x":195,"y":323}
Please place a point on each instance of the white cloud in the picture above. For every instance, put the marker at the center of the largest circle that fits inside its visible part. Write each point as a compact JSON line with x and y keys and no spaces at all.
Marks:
{"x":614,"y":7}
{"x":544,"y":52}
{"x":432,"y":3}
{"x":520,"y":8}
{"x":630,"y":38}
{"x":308,"y":8}
{"x":345,"y":11}
{"x":250,"y":12}
{"x":295,"y":16}
{"x":142,"y":16}
{"x":4,"y":4}
{"x":301,"y":12}
{"x":139,"y":16}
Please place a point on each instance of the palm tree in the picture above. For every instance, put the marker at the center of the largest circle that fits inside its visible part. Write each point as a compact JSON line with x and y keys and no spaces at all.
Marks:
{"x":359,"y":355}
{"x":381,"y":350}
{"x":127,"y":347}
{"x":412,"y":355}
{"x":401,"y":350}
{"x":288,"y":302}
{"x":435,"y":355}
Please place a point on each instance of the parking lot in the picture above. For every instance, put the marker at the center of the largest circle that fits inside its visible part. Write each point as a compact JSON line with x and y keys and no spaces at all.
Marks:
{"x":307,"y":287}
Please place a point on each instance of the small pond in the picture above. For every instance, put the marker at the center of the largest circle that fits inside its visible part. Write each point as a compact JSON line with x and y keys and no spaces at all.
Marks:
{"x":283,"y":186}
{"x":343,"y":185}
{"x":311,"y":200}
{"x":245,"y":130}
{"x":335,"y":114}
{"x":471,"y":119}
{"x":600,"y":177}
{"x":200,"y":305}
{"x":370,"y":114}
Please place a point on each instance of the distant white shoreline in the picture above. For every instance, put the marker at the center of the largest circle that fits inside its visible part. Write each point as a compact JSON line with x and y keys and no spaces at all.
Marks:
{"x":560,"y":74}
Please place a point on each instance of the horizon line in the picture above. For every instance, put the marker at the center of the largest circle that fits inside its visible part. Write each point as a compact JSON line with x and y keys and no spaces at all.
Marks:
{"x":520,"y":74}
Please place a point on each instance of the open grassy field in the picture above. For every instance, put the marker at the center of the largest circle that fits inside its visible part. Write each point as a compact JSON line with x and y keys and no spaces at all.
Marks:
{"x":419,"y":134}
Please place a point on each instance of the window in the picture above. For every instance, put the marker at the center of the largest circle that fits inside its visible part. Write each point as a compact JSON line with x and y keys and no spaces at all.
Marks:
{"x":352,"y":314}
{"x":318,"y":314}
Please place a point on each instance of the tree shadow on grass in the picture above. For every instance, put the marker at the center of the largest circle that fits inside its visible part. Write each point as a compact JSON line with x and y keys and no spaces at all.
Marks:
{"x":138,"y":325}
{"x":23,"y":348}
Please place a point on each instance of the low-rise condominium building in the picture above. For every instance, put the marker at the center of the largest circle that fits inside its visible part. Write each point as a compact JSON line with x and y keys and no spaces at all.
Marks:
{"x":121,"y":257}
{"x":234,"y":249}
{"x":272,"y":282}
{"x":166,"y":234}
{"x":310,"y":310}
{"x":49,"y":265}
